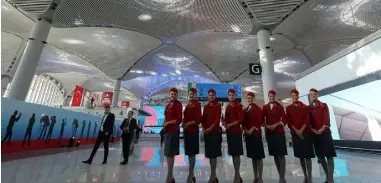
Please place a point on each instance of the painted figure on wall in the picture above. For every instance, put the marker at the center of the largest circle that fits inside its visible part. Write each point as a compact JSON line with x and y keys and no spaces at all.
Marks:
{"x":11,"y":123}
{"x":44,"y":121}
{"x":83,"y":128}
{"x":63,"y":124}
{"x":75,"y":127}
{"x":51,"y":128}
{"x":88,"y":130}
{"x":28,"y":132}
{"x":95,"y":129}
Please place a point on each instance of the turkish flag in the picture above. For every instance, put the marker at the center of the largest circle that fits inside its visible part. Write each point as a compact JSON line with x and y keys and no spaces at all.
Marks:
{"x":125,"y":104}
{"x":77,"y":96}
{"x":107,"y":98}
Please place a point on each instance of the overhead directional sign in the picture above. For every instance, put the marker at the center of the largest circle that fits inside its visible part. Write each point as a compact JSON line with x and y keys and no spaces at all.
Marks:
{"x":255,"y":69}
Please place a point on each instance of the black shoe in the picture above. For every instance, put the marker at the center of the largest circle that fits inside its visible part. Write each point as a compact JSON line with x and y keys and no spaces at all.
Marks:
{"x":104,"y":162}
{"x":124,"y":162}
{"x":87,"y":162}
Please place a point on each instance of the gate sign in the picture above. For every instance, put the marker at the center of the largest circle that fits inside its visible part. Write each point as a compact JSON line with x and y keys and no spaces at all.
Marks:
{"x":255,"y":69}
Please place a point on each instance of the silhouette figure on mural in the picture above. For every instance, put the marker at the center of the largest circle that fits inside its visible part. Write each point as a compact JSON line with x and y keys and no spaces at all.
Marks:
{"x":88,"y":130}
{"x":83,"y":128}
{"x":51,"y":128}
{"x":45,"y":121}
{"x":11,"y":123}
{"x":75,"y":127}
{"x":28,"y":132}
{"x":63,"y":124}
{"x":95,"y":129}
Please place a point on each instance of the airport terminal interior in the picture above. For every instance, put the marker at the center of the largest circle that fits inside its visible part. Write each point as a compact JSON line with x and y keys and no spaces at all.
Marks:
{"x":76,"y":73}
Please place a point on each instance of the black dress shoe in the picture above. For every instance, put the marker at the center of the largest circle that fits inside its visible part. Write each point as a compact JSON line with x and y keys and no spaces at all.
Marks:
{"x":104,"y":162}
{"x":124,"y":163}
{"x":87,"y":162}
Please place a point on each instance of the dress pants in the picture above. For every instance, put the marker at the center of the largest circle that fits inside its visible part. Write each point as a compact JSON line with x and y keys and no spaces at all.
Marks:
{"x":126,"y":141}
{"x":101,"y":138}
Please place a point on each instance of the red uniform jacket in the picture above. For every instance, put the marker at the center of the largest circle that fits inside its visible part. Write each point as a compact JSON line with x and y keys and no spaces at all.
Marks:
{"x":233,"y":113}
{"x":253,"y":118}
{"x":297,"y":116}
{"x":319,"y":116}
{"x":173,"y":111}
{"x":192,"y":112}
{"x":212,"y":115}
{"x":273,"y":116}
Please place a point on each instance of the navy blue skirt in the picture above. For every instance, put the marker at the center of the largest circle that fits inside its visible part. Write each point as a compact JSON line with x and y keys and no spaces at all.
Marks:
{"x":276,"y":144}
{"x":324,"y":146}
{"x":212,"y":145}
{"x":171,"y":143}
{"x":254,"y":147}
{"x":235,"y":146}
{"x":191,"y":143}
{"x":303,"y":148}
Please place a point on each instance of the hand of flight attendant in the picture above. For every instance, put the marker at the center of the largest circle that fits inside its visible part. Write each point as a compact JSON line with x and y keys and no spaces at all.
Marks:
{"x":315,"y":131}
{"x":185,"y":125}
{"x":321,"y":130}
{"x":251,"y":130}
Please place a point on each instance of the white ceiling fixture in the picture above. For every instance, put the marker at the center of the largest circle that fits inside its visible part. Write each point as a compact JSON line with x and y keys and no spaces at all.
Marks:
{"x":73,"y":41}
{"x":272,"y":38}
{"x":178,"y":72}
{"x":164,"y":75}
{"x":137,"y":71}
{"x":153,"y":73}
{"x":252,"y":89}
{"x":78,"y":22}
{"x":145,"y":17}
{"x":235,"y":28}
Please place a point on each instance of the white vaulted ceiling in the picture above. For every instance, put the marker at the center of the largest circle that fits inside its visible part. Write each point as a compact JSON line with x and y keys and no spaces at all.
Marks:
{"x":153,"y":45}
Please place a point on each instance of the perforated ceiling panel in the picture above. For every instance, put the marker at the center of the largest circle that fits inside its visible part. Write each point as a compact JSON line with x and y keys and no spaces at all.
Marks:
{"x":162,"y":18}
{"x":340,"y":22}
{"x":228,"y":54}
{"x":113,"y":51}
{"x":269,"y":12}
{"x":13,"y":21}
{"x":10,"y":43}
{"x":147,"y":86}
{"x":169,"y":61}
{"x":54,"y":60}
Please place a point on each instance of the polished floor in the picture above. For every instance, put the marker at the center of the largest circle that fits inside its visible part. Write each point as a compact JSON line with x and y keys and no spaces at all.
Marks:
{"x":147,"y":164}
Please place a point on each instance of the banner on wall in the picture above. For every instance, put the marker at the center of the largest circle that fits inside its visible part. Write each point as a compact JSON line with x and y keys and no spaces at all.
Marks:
{"x":26,"y":126}
{"x":107,"y":98}
{"x":125,"y":104}
{"x":77,"y":96}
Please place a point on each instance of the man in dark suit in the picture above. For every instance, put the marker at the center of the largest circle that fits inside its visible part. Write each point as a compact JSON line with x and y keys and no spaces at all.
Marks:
{"x":128,"y":126}
{"x":106,"y":129}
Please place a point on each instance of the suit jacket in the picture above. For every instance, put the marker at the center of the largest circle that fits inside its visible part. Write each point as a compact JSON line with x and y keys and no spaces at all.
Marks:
{"x":108,"y":125}
{"x":132,"y":126}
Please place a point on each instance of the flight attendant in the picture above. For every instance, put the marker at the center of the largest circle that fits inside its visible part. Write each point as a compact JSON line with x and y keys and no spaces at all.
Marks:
{"x":323,"y":142}
{"x":298,"y":120}
{"x":173,"y":116}
{"x":252,"y":123}
{"x":192,"y":118}
{"x":232,"y":123}
{"x":211,"y":128}
{"x":275,"y":119}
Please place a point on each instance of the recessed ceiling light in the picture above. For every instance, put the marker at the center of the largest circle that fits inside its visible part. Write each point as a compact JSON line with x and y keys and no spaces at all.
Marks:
{"x":73,"y":41}
{"x":164,"y":75}
{"x":272,"y":38}
{"x":235,"y":28}
{"x":153,"y":73}
{"x":145,"y":17}
{"x":178,"y":71}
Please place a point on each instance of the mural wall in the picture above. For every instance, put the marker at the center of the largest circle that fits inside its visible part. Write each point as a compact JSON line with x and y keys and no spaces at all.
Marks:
{"x":27,"y":126}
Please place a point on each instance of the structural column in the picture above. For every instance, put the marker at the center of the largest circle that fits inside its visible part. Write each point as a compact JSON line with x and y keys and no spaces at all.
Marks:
{"x":116,"y":91}
{"x":29,"y":60}
{"x":267,"y":62}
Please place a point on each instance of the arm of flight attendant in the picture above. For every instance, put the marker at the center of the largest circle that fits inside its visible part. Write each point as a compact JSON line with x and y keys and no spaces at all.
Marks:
{"x":283,"y":119}
{"x":257,"y":127}
{"x":264,"y":112}
{"x":239,"y":112}
{"x":178,"y":114}
{"x":306,"y":119}
{"x":326,"y":120}
{"x":289,"y":120}
{"x":197,"y":114}
{"x":217,"y":118}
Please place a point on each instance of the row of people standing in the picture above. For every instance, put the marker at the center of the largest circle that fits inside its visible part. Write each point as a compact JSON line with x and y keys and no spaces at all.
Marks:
{"x":309,"y":127}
